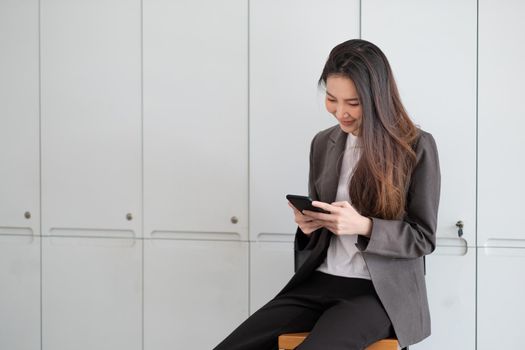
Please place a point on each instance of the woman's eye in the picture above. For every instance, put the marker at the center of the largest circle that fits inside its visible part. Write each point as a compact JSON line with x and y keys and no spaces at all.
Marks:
{"x":353,"y":104}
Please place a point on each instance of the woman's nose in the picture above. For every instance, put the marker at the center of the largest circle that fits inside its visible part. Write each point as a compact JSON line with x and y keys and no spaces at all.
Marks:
{"x":340,"y":113}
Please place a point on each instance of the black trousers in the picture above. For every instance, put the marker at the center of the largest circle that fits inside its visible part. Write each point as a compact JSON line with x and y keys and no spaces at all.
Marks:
{"x":340,"y":313}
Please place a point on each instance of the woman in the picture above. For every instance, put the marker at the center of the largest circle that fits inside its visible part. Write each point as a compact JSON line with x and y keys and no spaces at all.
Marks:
{"x":362,"y":276}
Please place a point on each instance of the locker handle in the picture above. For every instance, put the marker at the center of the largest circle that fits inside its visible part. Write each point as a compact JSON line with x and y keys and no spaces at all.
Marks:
{"x":459,"y":224}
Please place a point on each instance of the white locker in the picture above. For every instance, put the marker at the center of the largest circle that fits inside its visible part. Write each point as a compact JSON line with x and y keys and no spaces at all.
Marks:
{"x":500,"y":298}
{"x":501,"y":122}
{"x":289,"y":44}
{"x":435,"y":69}
{"x":272,"y":266}
{"x":451,"y":287}
{"x":501,"y":236}
{"x":19,"y":119}
{"x":19,"y":177}
{"x":195,"y":119}
{"x":431,"y":47}
{"x":91,"y":293}
{"x":91,"y":117}
{"x":195,"y":292}
{"x":19,"y":292}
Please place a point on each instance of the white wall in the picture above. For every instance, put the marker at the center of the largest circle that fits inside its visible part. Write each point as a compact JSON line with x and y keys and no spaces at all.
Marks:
{"x":146,"y":148}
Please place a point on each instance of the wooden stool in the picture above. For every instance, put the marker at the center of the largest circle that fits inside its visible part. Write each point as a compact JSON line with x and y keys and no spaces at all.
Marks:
{"x":290,"y":341}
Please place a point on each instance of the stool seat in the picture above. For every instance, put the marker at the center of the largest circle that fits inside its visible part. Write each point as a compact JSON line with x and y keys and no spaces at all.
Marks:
{"x":290,"y":341}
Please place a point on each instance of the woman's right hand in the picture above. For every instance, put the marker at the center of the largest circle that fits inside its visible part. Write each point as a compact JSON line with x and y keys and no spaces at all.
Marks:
{"x":306,"y":224}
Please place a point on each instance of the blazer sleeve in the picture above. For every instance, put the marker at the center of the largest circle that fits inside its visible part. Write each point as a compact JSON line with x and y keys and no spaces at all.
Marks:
{"x":301,"y":239}
{"x":415,"y":235}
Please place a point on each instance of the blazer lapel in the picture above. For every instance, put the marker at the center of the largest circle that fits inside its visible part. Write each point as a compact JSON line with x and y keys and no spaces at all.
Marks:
{"x":330,"y":176}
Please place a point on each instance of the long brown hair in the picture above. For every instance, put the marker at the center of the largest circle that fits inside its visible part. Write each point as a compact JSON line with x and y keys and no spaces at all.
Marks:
{"x":387,"y":134}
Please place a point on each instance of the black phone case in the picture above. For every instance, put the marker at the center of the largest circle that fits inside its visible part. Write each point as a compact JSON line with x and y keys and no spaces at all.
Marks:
{"x":304,"y":203}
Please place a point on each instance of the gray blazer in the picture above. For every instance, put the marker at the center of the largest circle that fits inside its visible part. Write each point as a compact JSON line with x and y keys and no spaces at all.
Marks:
{"x":395,"y":251}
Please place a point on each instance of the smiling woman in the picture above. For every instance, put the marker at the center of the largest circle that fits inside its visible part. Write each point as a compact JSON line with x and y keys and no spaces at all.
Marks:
{"x":378,"y":176}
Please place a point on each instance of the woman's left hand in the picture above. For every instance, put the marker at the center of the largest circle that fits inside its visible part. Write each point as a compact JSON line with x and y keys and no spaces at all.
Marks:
{"x":342,"y":220}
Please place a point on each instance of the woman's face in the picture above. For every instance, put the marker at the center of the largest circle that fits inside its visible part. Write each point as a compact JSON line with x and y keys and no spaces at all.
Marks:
{"x":342,"y":101}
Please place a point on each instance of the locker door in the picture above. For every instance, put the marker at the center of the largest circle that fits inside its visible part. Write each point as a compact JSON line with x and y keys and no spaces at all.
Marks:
{"x":272,"y":266}
{"x":91,"y":293}
{"x":19,"y":177}
{"x":19,"y":119}
{"x":195,"y":119}
{"x":500,"y":297}
{"x":451,"y":287}
{"x":288,"y":50}
{"x":501,"y":123}
{"x":435,"y":68}
{"x":19,"y":292}
{"x":91,"y":118}
{"x":195,"y":292}
{"x":501,"y":234}
{"x":431,"y":47}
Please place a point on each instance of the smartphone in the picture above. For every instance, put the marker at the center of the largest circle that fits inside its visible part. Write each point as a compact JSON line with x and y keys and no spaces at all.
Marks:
{"x":304,"y":203}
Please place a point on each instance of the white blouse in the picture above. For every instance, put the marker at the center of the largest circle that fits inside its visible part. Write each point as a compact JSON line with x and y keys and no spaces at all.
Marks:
{"x":343,"y":258}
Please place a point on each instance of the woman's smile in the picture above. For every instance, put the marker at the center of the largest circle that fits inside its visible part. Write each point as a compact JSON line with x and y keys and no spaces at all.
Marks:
{"x":348,"y":122}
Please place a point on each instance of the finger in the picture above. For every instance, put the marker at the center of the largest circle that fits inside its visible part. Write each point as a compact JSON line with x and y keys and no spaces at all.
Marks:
{"x":318,"y":224}
{"x":306,"y":220}
{"x":325,"y":206}
{"x":330,"y":228}
{"x":310,"y":227}
{"x":302,"y":220}
{"x":318,"y":216}
{"x":342,"y":204}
